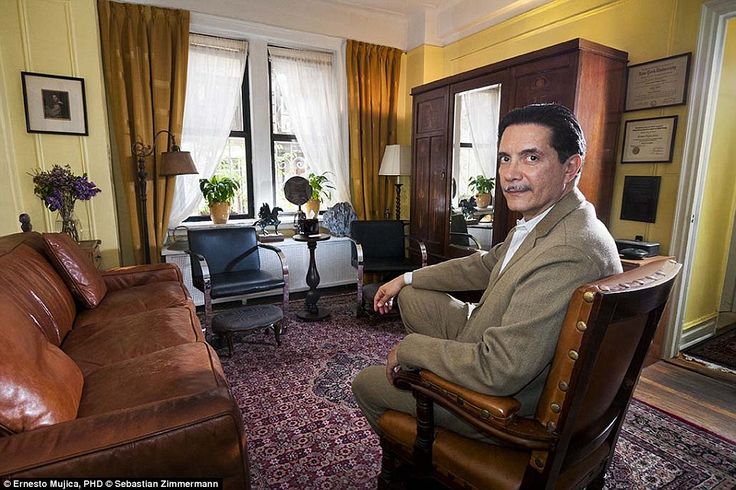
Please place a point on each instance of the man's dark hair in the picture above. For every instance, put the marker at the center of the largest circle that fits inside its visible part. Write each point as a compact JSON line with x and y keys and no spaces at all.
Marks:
{"x":567,"y":136}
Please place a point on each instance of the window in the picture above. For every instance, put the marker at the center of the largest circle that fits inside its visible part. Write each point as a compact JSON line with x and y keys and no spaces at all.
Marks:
{"x":235,"y":161}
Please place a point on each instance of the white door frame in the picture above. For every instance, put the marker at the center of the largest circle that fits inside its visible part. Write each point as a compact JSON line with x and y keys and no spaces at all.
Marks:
{"x":706,"y":72}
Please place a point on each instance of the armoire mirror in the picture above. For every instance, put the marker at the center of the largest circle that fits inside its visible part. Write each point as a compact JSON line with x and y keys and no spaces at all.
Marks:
{"x":475,"y":129}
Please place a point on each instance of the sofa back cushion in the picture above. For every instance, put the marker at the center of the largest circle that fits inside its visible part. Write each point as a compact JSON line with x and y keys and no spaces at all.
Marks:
{"x":76,"y":268}
{"x":39,"y":384}
{"x":33,"y":286}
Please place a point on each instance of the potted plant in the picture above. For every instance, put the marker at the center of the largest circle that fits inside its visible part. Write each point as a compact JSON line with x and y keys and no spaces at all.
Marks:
{"x":321,"y":187}
{"x":219,"y":193}
{"x":483,"y":187}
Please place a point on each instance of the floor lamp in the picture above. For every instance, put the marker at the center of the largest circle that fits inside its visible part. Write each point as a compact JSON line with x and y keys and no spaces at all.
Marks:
{"x":173,"y":162}
{"x":396,"y":161}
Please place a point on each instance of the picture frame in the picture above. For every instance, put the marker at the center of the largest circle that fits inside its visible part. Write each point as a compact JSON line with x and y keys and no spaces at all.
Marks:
{"x":54,"y":104}
{"x":659,"y":83}
{"x":649,"y":140}
{"x":640,"y":198}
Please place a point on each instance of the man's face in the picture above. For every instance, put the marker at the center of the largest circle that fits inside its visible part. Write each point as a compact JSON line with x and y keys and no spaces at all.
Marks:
{"x":532,"y":176}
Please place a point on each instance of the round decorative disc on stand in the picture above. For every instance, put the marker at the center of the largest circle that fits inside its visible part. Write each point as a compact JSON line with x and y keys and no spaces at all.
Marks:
{"x":297,"y":190}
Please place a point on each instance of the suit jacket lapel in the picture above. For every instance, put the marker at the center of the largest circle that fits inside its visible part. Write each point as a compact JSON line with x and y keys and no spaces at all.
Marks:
{"x":569,"y":202}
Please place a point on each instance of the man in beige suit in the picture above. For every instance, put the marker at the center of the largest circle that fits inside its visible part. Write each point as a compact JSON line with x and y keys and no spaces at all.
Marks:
{"x":504,"y":344}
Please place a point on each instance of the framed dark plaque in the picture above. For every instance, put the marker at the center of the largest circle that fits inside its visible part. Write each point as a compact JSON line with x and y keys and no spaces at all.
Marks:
{"x":641,"y":195}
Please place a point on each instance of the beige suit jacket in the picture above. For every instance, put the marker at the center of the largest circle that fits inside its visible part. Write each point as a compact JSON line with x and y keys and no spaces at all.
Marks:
{"x":507,"y":344}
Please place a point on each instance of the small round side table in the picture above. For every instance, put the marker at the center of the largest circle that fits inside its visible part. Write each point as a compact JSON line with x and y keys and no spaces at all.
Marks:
{"x":311,"y":312}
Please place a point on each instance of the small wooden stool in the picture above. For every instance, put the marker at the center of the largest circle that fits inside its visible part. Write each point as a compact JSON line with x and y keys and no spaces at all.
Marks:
{"x":248,"y":318}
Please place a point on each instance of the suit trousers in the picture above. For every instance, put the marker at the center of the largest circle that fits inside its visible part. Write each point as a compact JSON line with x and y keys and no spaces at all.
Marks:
{"x":425,"y":312}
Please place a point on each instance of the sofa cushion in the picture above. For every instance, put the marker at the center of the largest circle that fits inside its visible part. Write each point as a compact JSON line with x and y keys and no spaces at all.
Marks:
{"x":39,"y":384}
{"x":133,"y":300}
{"x":76,"y":268}
{"x":33,"y":285}
{"x":94,"y":346}
{"x":178,"y":371}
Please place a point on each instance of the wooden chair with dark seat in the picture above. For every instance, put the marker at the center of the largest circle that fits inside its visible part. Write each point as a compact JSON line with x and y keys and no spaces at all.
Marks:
{"x":226,"y":263}
{"x":570,"y":441}
{"x":378,"y":247}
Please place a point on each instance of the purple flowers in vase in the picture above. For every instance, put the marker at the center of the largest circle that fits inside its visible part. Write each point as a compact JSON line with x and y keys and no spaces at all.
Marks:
{"x":59,"y":189}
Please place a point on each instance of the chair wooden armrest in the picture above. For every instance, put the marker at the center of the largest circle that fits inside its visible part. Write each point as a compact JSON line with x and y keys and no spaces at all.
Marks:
{"x":496,"y":416}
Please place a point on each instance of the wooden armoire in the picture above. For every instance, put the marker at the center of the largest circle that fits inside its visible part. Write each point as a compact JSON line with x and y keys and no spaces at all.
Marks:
{"x":587,"y":77}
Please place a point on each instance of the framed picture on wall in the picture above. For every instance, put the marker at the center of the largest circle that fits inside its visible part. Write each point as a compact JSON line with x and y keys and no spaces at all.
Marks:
{"x":54,"y":104}
{"x":641,"y":194}
{"x":649,"y":140}
{"x":658,"y":83}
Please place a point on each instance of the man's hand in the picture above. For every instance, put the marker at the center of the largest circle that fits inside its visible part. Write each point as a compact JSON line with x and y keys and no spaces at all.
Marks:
{"x":384,"y":298}
{"x":392,"y":362}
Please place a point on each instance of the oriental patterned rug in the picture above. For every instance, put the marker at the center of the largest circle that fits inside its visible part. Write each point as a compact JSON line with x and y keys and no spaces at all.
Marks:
{"x":305,"y":431}
{"x":718,"y":352}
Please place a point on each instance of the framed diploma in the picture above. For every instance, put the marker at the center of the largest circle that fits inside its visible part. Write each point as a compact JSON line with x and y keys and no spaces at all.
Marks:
{"x":649,"y":140}
{"x":659,"y":83}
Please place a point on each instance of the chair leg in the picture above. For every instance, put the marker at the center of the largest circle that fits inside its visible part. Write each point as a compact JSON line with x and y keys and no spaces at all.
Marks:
{"x":230,"y":346}
{"x":598,"y":482}
{"x":285,"y":310}
{"x":388,"y":468}
{"x":277,"y":332}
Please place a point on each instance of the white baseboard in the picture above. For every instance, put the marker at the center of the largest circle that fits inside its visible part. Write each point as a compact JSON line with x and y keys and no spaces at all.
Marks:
{"x":693,"y":335}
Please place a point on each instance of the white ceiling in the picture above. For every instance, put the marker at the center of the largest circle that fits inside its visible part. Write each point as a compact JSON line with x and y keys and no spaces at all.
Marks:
{"x":403,"y":24}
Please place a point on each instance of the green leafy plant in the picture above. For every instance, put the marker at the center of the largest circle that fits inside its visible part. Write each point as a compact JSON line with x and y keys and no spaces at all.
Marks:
{"x":218,"y":189}
{"x":321,"y":186}
{"x":482,"y":184}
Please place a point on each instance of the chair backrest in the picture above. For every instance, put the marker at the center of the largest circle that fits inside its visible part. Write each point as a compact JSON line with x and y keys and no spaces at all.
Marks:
{"x":459,"y":225}
{"x":226,"y":249}
{"x":600,"y":352}
{"x":379,"y":239}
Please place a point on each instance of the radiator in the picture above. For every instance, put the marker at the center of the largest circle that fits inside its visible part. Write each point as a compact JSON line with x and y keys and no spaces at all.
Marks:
{"x":332,"y":257}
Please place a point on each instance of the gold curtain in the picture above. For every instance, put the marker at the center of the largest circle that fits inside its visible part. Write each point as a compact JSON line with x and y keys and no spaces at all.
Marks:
{"x":373,"y":92}
{"x":144,"y":56}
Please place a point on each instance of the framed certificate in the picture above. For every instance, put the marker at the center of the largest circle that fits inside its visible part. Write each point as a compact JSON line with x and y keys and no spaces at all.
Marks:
{"x":659,"y":83}
{"x":649,"y":140}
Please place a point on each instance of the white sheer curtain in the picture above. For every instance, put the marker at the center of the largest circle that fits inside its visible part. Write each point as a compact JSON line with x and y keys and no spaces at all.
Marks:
{"x":214,"y":78}
{"x":308,"y":83}
{"x":479,"y":126}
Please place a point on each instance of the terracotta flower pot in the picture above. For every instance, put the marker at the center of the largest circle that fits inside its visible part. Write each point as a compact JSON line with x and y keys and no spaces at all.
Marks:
{"x":311,"y":208}
{"x":220,"y":212}
{"x":483,"y":200}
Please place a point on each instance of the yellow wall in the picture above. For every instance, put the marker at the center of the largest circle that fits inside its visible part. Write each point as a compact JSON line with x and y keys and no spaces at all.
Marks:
{"x":719,"y":200}
{"x":53,"y":37}
{"x":646,"y":29}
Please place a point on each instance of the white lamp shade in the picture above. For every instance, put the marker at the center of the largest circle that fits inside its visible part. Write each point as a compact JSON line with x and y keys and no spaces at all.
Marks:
{"x":396,"y":160}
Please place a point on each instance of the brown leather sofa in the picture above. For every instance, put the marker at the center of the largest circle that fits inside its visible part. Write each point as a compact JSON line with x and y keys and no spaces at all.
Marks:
{"x":107,"y":374}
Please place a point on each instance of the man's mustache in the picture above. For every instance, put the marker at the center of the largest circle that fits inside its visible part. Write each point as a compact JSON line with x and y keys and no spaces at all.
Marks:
{"x":517,"y":188}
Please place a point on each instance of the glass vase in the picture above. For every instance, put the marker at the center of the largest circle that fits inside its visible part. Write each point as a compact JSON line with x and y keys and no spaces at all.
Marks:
{"x":67,"y":222}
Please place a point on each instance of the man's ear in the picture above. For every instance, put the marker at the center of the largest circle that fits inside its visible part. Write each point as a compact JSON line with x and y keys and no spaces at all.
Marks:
{"x":572,"y":167}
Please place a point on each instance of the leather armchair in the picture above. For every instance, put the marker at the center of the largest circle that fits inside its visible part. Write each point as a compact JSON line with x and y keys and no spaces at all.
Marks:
{"x":378,"y":246}
{"x":226,"y":263}
{"x":570,"y":441}
{"x":459,"y":233}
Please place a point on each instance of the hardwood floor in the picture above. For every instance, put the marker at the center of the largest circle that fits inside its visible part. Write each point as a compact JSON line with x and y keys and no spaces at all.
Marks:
{"x":707,"y":402}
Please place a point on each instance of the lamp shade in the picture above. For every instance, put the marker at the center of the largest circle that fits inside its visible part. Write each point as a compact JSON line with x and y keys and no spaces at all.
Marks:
{"x":177,"y":163}
{"x":396,"y":160}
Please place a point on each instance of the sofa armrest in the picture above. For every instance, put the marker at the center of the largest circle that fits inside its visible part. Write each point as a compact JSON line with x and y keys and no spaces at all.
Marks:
{"x":138,"y":275}
{"x":192,"y":436}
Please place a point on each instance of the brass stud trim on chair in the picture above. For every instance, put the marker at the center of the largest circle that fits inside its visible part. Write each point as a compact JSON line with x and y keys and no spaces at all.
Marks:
{"x":551,"y":426}
{"x":539,"y":462}
{"x":581,"y":326}
{"x":573,"y":355}
{"x":555,"y":408}
{"x":485,"y":414}
{"x":589,"y":297}
{"x":563,"y":386}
